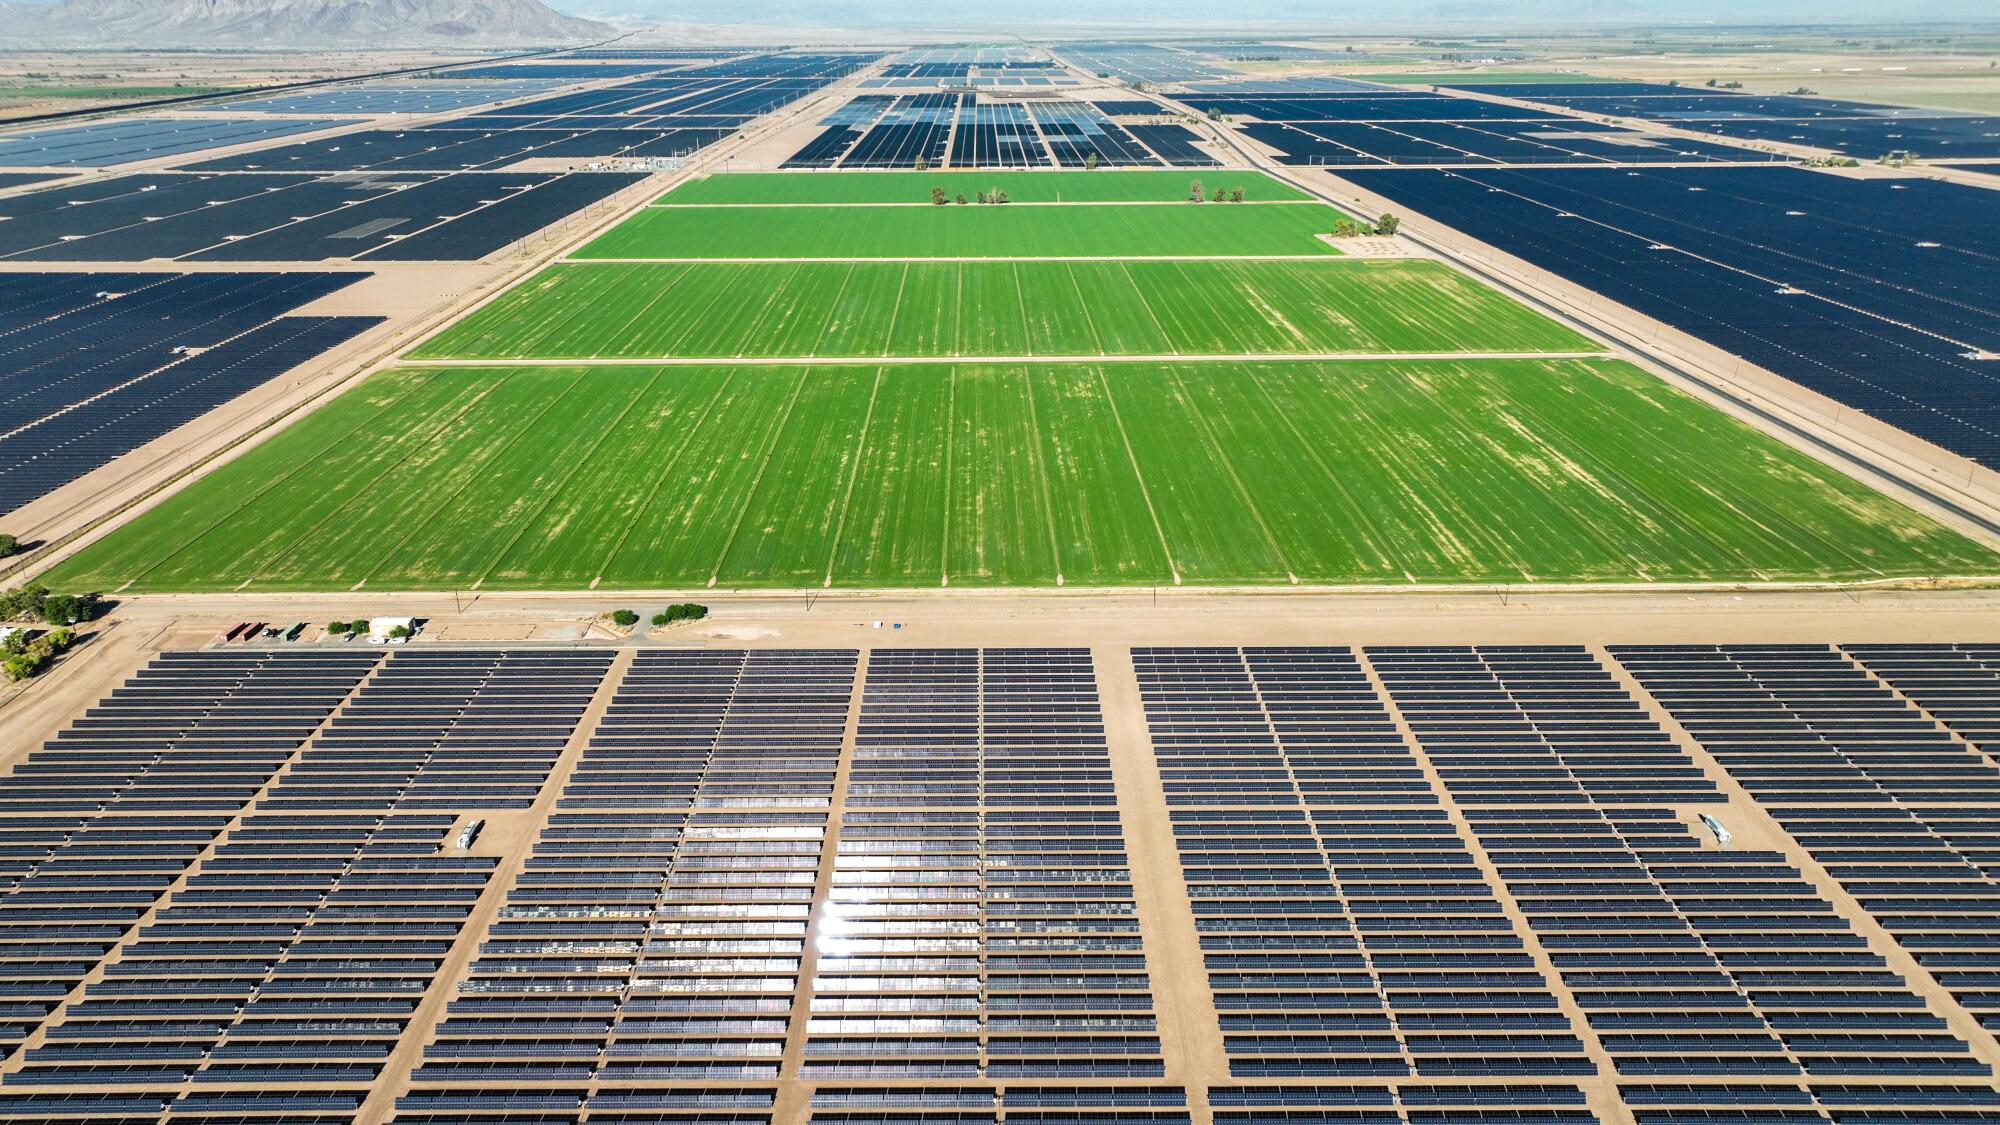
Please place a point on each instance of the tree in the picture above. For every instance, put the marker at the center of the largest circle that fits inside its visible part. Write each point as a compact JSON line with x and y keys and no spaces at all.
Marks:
{"x":360,"y":625}
{"x":62,"y":609}
{"x":339,"y":628}
{"x":1235,"y":195}
{"x":1344,"y":227}
{"x":1219,"y":196}
{"x":1387,"y":224}
{"x":961,"y":197}
{"x":1090,"y":162}
{"x":999,"y":196}
{"x":399,"y":633}
{"x":23,"y":601}
{"x":624,"y":618}
{"x":922,"y":164}
{"x":660,"y":619}
{"x":937,"y":197}
{"x":8,"y":545}
{"x":982,"y":197}
{"x":1194,"y":191}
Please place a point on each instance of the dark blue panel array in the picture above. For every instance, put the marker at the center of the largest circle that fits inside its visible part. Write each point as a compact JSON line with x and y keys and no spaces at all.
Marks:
{"x":1803,"y":280}
{"x":1859,"y":129}
{"x":271,"y":218}
{"x":125,"y":140}
{"x":1387,"y":127}
{"x":1419,"y":1105}
{"x":1691,"y":960}
{"x":93,"y":365}
{"x":64,"y":446}
{"x":275,"y":982}
{"x":965,"y":131}
{"x":1893,"y":806}
{"x":101,"y":821}
{"x":1346,"y":930}
{"x":1532,"y":723}
{"x":670,"y":114}
{"x":1175,"y":144}
{"x":432,"y":96}
{"x":1804,"y":723}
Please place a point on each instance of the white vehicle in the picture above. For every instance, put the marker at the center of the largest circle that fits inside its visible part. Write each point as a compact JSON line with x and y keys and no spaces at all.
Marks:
{"x":380,"y":628}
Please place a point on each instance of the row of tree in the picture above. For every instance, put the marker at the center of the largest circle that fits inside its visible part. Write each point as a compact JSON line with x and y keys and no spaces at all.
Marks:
{"x":1386,"y":225}
{"x":991,"y":195}
{"x":680,"y":611}
{"x":1220,"y":195}
{"x":33,"y":602}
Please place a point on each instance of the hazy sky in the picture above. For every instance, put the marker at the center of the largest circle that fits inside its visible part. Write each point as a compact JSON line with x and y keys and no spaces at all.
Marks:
{"x":981,"y":15}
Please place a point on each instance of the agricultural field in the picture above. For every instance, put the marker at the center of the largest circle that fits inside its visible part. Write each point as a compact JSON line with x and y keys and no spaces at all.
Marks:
{"x":1090,"y":420}
{"x":901,"y":475}
{"x":1123,"y":186}
{"x":972,"y":231}
{"x":998,"y":309}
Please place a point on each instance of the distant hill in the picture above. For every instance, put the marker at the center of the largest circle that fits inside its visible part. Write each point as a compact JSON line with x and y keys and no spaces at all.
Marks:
{"x":290,"y":23}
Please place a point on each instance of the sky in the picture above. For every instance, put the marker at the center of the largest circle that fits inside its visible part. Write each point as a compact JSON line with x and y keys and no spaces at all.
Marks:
{"x":976,"y":16}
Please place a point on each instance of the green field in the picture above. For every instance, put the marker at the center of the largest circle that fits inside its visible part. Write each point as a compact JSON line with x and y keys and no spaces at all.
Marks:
{"x":912,"y":475}
{"x":1010,"y":231}
{"x":998,"y":309}
{"x":1021,"y":187}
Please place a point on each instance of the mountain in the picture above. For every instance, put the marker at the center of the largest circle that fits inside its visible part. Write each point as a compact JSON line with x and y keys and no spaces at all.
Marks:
{"x":293,"y":23}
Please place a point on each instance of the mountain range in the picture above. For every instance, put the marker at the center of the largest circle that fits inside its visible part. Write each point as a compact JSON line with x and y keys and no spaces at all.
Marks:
{"x":293,"y":23}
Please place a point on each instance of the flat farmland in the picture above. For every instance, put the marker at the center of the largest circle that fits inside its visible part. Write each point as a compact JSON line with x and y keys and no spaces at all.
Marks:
{"x":902,"y":475}
{"x":1015,"y":230}
{"x":997,"y":309}
{"x":1101,"y":186}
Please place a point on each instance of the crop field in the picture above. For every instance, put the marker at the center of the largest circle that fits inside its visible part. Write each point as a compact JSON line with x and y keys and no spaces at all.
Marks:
{"x":1009,"y":231}
{"x":1021,"y":187}
{"x":998,"y":309}
{"x":1081,"y":473}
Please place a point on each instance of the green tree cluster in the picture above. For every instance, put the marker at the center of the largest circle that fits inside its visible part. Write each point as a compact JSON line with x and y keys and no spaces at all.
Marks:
{"x":34,"y":602}
{"x":683,"y":611}
{"x":25,"y":658}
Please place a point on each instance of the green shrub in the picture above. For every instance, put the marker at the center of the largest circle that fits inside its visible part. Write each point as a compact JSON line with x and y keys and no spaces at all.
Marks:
{"x":339,"y":628}
{"x":624,"y":617}
{"x":660,"y":619}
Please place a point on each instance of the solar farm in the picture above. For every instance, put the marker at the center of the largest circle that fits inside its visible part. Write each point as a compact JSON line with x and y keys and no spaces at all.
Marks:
{"x":1213,"y":581}
{"x":1040,"y":393}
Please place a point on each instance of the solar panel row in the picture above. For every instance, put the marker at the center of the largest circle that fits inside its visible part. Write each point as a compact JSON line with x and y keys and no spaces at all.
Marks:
{"x":93,"y":365}
{"x":1873,"y":757}
{"x":1420,"y":894}
{"x":666,"y":115}
{"x":1346,"y":931}
{"x":1799,"y":282}
{"x":125,"y":140}
{"x":1855,"y":128}
{"x":290,"y":218}
{"x":274,"y":981}
{"x":964,"y":131}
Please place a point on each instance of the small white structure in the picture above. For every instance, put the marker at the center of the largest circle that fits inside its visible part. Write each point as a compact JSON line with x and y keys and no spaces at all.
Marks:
{"x":379,"y":629}
{"x":1721,"y":834}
